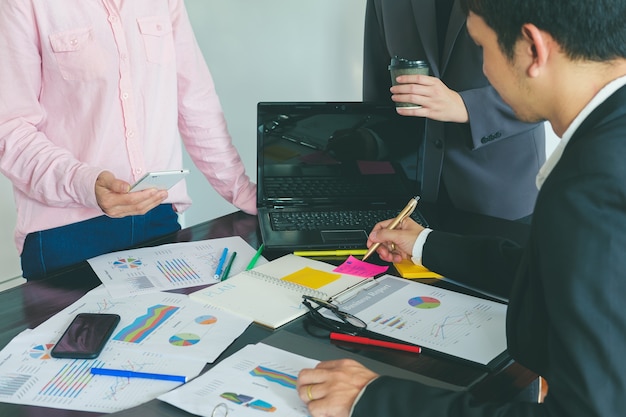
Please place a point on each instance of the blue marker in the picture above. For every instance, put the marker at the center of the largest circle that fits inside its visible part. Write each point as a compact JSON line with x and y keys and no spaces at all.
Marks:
{"x":220,"y":264}
{"x":132,"y":374}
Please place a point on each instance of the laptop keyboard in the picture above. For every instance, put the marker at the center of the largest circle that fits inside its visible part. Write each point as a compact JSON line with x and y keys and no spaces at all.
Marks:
{"x":332,"y":220}
{"x":327,"y":187}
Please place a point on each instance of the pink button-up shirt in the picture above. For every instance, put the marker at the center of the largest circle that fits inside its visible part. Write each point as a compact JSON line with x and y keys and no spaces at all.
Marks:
{"x":94,"y":85}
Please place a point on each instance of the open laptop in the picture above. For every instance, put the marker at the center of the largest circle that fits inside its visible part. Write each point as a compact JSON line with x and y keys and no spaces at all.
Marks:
{"x":327,"y":172}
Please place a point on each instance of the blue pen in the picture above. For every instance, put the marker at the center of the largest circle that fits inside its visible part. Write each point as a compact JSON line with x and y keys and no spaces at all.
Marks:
{"x":220,"y":264}
{"x":132,"y":374}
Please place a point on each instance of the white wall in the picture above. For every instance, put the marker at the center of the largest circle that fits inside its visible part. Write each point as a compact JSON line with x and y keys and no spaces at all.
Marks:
{"x":9,"y":261}
{"x":272,"y":50}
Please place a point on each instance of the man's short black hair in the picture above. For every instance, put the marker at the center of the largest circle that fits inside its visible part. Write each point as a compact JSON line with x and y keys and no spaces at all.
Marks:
{"x":593,"y":30}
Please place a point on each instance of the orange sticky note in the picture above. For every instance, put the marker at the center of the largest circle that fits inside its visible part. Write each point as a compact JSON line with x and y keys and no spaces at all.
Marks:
{"x":408,"y":269}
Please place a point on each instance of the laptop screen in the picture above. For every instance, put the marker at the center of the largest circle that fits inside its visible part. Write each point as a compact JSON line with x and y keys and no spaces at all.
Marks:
{"x":335,"y":152}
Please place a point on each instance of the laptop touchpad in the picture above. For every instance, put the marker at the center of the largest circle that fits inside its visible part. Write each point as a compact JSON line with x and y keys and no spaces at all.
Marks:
{"x":343,"y":236}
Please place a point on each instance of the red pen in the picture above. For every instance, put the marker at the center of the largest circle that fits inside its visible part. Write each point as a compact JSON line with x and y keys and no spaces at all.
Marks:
{"x":373,"y":342}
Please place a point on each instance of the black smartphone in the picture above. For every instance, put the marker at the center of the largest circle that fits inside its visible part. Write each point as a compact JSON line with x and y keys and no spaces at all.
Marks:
{"x":86,"y":336}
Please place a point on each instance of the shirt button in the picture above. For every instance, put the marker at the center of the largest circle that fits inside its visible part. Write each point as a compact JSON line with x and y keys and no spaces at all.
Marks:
{"x":112,"y":18}
{"x":438,"y":144}
{"x":138,"y":171}
{"x":74,"y":42}
{"x":159,"y":27}
{"x":125,"y":96}
{"x":130,"y":134}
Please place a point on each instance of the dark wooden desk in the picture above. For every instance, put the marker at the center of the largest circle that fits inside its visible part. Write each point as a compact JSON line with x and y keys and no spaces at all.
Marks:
{"x":30,"y":304}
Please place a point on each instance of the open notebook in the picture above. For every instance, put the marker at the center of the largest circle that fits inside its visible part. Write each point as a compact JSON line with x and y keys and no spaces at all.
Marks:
{"x":271,"y":294}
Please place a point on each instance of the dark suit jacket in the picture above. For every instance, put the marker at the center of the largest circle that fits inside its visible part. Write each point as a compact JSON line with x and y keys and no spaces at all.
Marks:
{"x":566,"y":318}
{"x":489,"y":165}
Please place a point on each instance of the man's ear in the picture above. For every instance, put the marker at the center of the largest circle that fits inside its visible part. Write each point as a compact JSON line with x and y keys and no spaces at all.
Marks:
{"x":536,"y":48}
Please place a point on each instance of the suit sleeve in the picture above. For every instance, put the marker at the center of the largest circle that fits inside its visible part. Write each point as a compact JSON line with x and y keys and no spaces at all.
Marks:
{"x":489,"y":263}
{"x":394,"y":397}
{"x":376,"y":78}
{"x":490,"y":118}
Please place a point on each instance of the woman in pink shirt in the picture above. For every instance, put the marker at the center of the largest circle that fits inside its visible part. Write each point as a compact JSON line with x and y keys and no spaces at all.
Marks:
{"x":94,"y":95}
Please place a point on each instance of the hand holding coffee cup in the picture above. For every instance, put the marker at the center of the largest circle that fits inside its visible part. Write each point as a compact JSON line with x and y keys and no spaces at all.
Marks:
{"x":401,"y":66}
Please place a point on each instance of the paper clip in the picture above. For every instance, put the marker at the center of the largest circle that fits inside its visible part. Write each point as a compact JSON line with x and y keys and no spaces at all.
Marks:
{"x":351,"y":292}
{"x":216,"y":410}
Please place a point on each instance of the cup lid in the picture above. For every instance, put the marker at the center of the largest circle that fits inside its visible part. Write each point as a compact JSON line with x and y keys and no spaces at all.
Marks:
{"x":397,"y":62}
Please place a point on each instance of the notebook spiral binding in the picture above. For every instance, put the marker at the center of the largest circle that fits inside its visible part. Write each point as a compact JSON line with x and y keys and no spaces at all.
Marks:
{"x":300,"y":289}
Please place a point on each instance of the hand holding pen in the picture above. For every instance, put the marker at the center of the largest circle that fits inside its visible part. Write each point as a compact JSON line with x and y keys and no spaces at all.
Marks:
{"x":401,"y":242}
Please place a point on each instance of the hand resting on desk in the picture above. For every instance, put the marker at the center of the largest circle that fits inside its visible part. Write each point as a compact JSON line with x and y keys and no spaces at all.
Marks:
{"x":332,"y":387}
{"x":396,"y":245}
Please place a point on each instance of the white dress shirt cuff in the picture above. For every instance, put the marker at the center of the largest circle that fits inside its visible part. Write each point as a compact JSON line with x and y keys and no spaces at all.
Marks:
{"x":418,"y":246}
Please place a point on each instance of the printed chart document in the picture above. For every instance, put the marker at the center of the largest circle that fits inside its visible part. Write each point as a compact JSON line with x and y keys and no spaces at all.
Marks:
{"x":445,"y":321}
{"x":164,"y":323}
{"x":257,"y":380}
{"x":29,"y":375}
{"x":171,"y":266}
{"x":271,"y":294}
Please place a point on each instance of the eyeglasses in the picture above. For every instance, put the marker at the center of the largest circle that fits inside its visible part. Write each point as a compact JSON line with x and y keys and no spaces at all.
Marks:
{"x":347,"y":324}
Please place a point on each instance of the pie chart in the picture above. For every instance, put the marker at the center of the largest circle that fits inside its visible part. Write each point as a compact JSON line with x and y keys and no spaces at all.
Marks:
{"x":41,"y":351}
{"x":184,"y":339}
{"x":127,"y":263}
{"x":206,"y":320}
{"x":424,"y":302}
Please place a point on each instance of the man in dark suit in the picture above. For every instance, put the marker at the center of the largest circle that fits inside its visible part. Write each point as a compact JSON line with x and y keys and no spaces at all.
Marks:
{"x":564,"y":61}
{"x":477,"y":156}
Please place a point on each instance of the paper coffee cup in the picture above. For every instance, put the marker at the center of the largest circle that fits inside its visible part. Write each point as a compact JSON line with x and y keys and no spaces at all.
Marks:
{"x":401,"y":66}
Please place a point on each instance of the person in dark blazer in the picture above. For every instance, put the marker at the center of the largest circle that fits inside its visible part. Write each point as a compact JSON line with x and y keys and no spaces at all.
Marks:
{"x":477,"y":156}
{"x":565,"y":320}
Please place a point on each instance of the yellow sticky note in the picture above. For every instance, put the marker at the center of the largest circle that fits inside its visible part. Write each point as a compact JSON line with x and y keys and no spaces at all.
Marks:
{"x":408,"y":269}
{"x":311,"y":278}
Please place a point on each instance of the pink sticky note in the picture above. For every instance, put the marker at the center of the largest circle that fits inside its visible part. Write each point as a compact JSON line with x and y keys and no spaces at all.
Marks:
{"x":354,"y":266}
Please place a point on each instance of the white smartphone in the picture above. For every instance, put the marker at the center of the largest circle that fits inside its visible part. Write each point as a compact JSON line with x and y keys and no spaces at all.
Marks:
{"x":161,"y":180}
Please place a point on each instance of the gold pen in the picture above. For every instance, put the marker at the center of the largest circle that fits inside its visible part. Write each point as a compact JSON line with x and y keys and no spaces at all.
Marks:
{"x":406,"y":212}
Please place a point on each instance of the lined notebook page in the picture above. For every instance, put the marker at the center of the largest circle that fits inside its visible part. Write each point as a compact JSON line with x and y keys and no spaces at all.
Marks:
{"x":263,"y":294}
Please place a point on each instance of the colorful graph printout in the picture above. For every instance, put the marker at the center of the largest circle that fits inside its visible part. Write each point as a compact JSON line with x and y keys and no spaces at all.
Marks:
{"x":424,"y":302}
{"x":170,"y":266}
{"x":68,"y":383}
{"x":184,"y":339}
{"x":71,"y":379}
{"x":236,"y":398}
{"x":127,"y":263}
{"x":254,"y":381}
{"x":177,"y":270}
{"x":460,"y":325}
{"x":246,"y":400}
{"x":272,"y":375}
{"x":144,"y":325}
{"x":41,"y":351}
{"x":448,"y":325}
{"x":166,"y":323}
{"x":261,"y":405}
{"x":206,"y":320}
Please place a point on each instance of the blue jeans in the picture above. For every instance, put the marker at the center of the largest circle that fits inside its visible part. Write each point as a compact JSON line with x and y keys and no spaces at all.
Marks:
{"x":48,"y":250}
